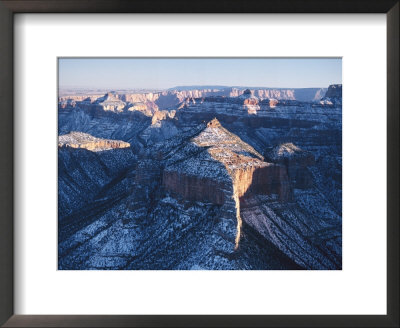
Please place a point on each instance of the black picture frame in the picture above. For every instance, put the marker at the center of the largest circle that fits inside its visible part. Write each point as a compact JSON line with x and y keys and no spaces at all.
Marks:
{"x":10,"y":7}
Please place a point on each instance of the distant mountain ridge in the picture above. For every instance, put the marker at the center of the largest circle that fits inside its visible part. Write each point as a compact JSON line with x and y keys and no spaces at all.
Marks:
{"x":150,"y":102}
{"x":192,"y":87}
{"x":182,"y":92}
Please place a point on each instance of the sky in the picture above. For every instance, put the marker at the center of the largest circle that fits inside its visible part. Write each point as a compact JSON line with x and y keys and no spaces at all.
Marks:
{"x":163,"y":73}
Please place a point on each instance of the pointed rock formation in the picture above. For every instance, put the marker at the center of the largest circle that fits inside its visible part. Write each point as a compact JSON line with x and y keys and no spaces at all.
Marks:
{"x":216,"y":166}
{"x":214,"y":158}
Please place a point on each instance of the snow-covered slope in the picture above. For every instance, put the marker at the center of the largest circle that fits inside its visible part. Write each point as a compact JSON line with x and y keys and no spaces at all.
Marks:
{"x":192,"y":192}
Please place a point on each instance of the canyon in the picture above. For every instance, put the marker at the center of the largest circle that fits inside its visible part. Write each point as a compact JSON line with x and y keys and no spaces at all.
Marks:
{"x":200,"y":178}
{"x":114,"y":100}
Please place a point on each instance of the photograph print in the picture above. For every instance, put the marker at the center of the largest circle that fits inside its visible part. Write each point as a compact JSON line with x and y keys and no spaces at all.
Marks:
{"x":199,"y":163}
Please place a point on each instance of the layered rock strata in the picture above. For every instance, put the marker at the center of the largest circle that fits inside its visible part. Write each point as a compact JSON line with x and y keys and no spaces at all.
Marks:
{"x":86,"y":141}
{"x":217,"y":165}
{"x":150,"y":102}
{"x":110,"y":102}
{"x":217,"y":159}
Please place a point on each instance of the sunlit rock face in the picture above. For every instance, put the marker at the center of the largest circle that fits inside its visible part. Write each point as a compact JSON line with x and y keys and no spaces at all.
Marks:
{"x":194,"y":188}
{"x":66,"y":103}
{"x":162,"y":115}
{"x":220,"y":161}
{"x":272,"y":103}
{"x":216,"y":166}
{"x":110,"y":102}
{"x":86,"y":141}
{"x":194,"y":193}
{"x":250,"y":103}
{"x":78,"y":98}
{"x":140,"y":107}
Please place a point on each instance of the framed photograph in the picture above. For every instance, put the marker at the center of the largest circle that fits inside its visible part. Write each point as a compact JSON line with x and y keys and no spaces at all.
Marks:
{"x":199,"y":164}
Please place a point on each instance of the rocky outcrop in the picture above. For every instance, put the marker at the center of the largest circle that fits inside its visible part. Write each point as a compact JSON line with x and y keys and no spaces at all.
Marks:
{"x":220,"y":161}
{"x":86,"y":141}
{"x":333,"y":97}
{"x":139,"y":97}
{"x":296,"y":161}
{"x":110,"y":102}
{"x":140,"y":107}
{"x":161,"y":116}
{"x":250,"y":103}
{"x":216,"y":166}
{"x":76,"y":98}
{"x":272,"y":103}
{"x":263,"y":180}
{"x":67,"y":103}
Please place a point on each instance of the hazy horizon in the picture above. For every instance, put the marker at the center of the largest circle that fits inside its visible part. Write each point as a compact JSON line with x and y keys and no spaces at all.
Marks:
{"x":167,"y":73}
